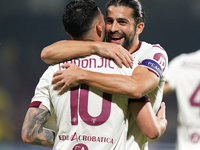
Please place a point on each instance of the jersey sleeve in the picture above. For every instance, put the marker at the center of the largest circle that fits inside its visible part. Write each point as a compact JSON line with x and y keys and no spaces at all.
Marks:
{"x":41,"y":94}
{"x":155,"y":59}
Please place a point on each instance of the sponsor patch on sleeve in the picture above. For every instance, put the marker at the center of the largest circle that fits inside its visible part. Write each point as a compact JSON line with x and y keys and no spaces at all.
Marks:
{"x":153,"y":66}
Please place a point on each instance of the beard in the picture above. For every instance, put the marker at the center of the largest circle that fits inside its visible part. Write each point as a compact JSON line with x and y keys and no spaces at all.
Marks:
{"x":128,"y":40}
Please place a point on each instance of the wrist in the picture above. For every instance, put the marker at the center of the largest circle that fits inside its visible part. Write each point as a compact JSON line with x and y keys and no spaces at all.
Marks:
{"x":83,"y":75}
{"x":95,"y":47}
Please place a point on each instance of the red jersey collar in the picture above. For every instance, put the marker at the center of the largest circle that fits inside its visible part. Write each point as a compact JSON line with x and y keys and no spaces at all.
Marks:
{"x":139,"y":45}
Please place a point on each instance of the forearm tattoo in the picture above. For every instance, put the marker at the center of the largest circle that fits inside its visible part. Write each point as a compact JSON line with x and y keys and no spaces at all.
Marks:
{"x":33,"y":124}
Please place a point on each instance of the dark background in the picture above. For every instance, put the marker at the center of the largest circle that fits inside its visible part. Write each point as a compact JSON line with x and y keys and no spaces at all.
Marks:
{"x":27,"y":26}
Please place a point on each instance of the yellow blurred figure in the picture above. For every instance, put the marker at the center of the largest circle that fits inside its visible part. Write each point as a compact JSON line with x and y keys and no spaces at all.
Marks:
{"x":6,"y":129}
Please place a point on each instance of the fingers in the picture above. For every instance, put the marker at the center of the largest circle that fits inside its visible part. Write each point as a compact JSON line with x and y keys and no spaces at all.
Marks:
{"x":122,"y":59}
{"x":162,"y":111}
{"x":118,"y":61}
{"x":62,"y":90}
{"x":163,"y":104}
{"x":58,"y":80}
{"x":163,"y":114}
{"x":130,"y":62}
{"x":66,"y":78}
{"x":57,"y":73}
{"x":58,"y":84}
{"x":126,"y":61}
{"x":57,"y":77}
{"x":61,"y":85}
{"x":66,"y":65}
{"x":120,"y":55}
{"x":125,"y":58}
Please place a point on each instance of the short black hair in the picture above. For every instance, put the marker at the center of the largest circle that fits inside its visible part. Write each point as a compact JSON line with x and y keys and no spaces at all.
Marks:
{"x":78,"y":17}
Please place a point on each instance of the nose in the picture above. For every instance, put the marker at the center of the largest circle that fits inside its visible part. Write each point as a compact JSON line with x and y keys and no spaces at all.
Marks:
{"x":114,"y":27}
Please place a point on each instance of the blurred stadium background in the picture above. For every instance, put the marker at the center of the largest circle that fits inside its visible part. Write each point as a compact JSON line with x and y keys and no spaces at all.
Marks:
{"x":26,"y":26}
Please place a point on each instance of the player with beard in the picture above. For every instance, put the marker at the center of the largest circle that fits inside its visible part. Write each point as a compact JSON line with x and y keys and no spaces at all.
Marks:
{"x":124,"y":23}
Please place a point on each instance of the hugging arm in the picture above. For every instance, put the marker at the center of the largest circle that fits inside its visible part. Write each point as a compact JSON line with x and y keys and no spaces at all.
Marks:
{"x":68,"y":49}
{"x":152,"y":126}
{"x":137,"y":85}
{"x":33,"y":131}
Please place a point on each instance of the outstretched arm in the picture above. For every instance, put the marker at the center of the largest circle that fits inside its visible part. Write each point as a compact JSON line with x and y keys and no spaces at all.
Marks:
{"x":152,"y":126}
{"x":68,"y":49}
{"x":33,"y":131}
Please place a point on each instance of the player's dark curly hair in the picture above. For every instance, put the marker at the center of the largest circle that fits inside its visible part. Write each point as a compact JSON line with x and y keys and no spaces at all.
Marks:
{"x":78,"y":17}
{"x":138,"y":10}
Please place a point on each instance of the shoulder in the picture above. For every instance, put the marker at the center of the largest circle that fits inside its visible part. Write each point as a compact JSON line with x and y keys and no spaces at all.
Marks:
{"x":146,"y":46}
{"x":155,"y":53}
{"x":50,"y":71}
{"x":154,"y":50}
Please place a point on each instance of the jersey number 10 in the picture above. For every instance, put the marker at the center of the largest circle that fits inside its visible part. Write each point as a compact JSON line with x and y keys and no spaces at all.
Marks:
{"x":83,"y":107}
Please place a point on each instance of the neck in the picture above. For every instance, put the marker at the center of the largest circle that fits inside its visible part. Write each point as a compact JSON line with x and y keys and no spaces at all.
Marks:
{"x":134,"y":45}
{"x":83,"y":38}
{"x":89,"y":37}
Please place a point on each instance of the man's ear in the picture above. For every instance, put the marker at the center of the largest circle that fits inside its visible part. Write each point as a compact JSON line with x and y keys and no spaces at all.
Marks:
{"x":99,"y":29}
{"x":139,"y":28}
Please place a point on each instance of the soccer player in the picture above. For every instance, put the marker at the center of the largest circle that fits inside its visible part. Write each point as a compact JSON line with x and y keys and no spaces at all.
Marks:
{"x":87,"y":118}
{"x":184,"y":78}
{"x":124,"y":22}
